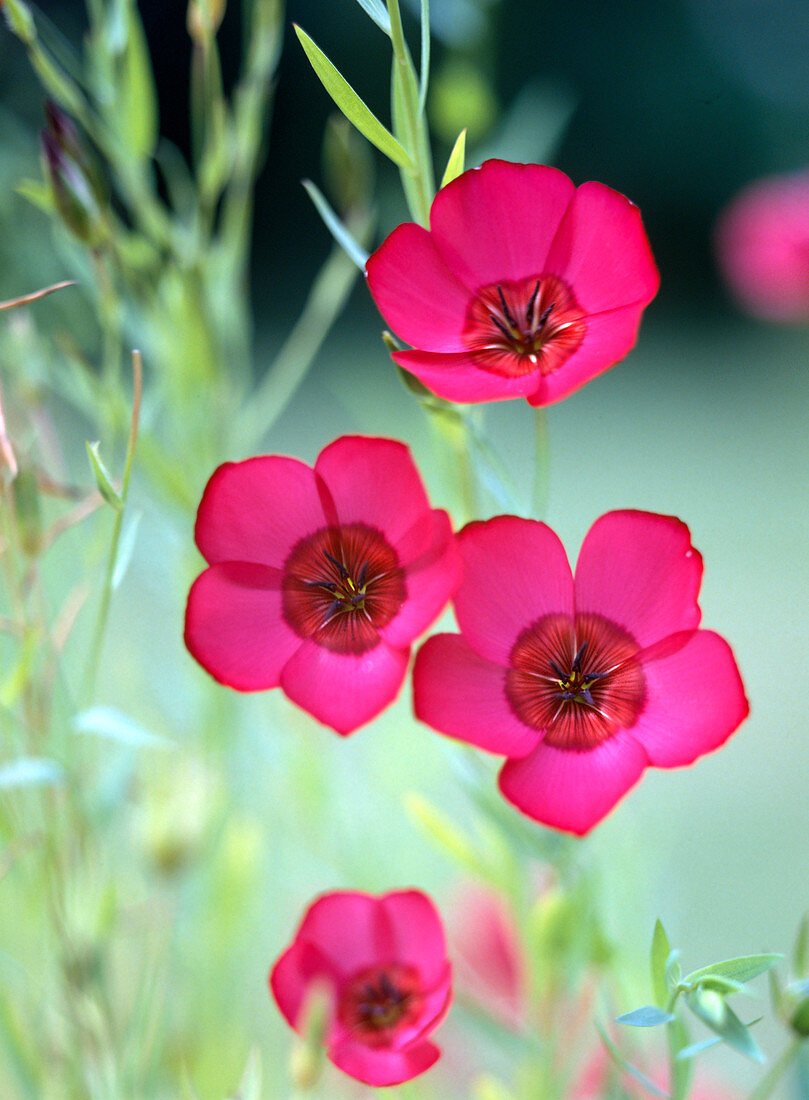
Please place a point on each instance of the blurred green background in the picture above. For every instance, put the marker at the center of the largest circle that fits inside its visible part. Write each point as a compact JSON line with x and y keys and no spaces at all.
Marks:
{"x":675,"y":104}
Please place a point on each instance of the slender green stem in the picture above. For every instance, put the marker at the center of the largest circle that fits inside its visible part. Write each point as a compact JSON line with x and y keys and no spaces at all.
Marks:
{"x":542,"y":463}
{"x":767,"y":1085}
{"x":106,"y":592}
{"x":414,"y":135}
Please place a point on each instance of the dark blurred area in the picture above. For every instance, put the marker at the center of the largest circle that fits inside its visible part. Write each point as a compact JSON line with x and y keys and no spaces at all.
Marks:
{"x":677,"y":105}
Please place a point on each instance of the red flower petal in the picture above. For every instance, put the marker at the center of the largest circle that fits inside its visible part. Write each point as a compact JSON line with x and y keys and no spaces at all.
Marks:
{"x":694,"y":701}
{"x":257,"y":510}
{"x":417,"y":294}
{"x":457,"y":377}
{"x":601,"y":250}
{"x":573,"y":791}
{"x":292,"y":977}
{"x":417,"y":933}
{"x":641,"y":571}
{"x":234,"y":626}
{"x":498,"y":221}
{"x":341,"y":690}
{"x":375,"y":482}
{"x":344,"y":926}
{"x":608,"y":338}
{"x":429,"y":580}
{"x":463,"y":695}
{"x":383,"y":1067}
{"x":515,"y":571}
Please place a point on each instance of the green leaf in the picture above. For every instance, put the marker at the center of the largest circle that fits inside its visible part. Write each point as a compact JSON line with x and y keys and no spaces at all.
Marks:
{"x":138,"y":98}
{"x":103,"y":479}
{"x":126,"y":547}
{"x":37,"y":193}
{"x":800,"y":952}
{"x":724,"y":985}
{"x":455,"y":164}
{"x":19,"y":18}
{"x":30,"y":771}
{"x":250,"y":1084}
{"x":659,"y":955}
{"x":714,"y":1011}
{"x":673,"y":971}
{"x":355,"y":110}
{"x":647,"y":1016}
{"x":377,"y":11}
{"x":742,"y":969}
{"x":694,"y":1049}
{"x":424,"y":73}
{"x":627,"y":1067}
{"x":352,"y":249}
{"x":116,"y":726}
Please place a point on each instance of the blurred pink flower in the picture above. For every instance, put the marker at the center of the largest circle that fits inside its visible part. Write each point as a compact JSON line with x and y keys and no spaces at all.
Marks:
{"x":524,"y":286}
{"x":581,"y":684}
{"x":488,"y":956}
{"x":384,"y":961}
{"x":762,"y":244}
{"x":319,"y":579}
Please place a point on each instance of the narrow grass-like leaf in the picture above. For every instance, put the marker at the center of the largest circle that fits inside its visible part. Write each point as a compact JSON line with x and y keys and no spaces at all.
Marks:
{"x":352,"y":249}
{"x":377,"y":11}
{"x":424,"y":72}
{"x":356,"y":111}
{"x":457,"y":158}
{"x":723,"y":1021}
{"x":694,"y":1049}
{"x":116,"y":726}
{"x":800,"y":952}
{"x":657,"y":963}
{"x":627,"y":1067}
{"x":673,"y":971}
{"x":30,"y":771}
{"x":103,"y":479}
{"x":20,"y":20}
{"x":742,"y":969}
{"x":647,"y":1016}
{"x":250,"y":1084}
{"x":125,"y":549}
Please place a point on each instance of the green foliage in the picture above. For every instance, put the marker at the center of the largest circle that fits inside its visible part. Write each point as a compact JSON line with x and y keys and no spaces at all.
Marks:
{"x":455,"y":163}
{"x":355,"y":110}
{"x":647,"y":1016}
{"x":102,"y":477}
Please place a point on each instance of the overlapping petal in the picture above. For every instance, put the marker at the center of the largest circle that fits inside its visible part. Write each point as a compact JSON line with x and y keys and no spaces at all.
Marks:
{"x":573,"y":791}
{"x":515,"y":571}
{"x":430,"y":576}
{"x":463,"y":695}
{"x":235,"y":628}
{"x":694,"y":701}
{"x":457,"y":377}
{"x":256,"y":510}
{"x":342,"y":690}
{"x":384,"y":1067}
{"x":639,"y":570}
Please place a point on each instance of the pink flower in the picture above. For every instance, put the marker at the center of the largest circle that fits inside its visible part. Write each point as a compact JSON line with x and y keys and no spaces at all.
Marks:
{"x":489,"y":958}
{"x":319,"y":580}
{"x":581,"y":684}
{"x":384,"y":961}
{"x":762,"y":244}
{"x":524,"y":286}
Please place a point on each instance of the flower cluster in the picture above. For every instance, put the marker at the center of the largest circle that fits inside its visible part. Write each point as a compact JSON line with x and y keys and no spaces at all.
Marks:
{"x":320,"y":579}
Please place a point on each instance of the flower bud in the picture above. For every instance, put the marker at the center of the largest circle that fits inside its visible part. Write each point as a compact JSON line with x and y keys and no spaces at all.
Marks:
{"x":348,"y":167}
{"x":77,"y":190}
{"x":204,"y":18}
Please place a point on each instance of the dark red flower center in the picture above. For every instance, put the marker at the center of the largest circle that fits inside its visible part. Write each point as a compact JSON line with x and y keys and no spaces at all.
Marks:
{"x":341,"y":586}
{"x":578,"y":680}
{"x":380,"y":1000}
{"x":516,"y":328}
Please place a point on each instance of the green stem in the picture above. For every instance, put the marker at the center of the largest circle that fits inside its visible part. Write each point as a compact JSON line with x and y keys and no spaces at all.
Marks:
{"x":106,"y":592}
{"x":542,"y":463}
{"x":767,"y":1085}
{"x":421,"y":189}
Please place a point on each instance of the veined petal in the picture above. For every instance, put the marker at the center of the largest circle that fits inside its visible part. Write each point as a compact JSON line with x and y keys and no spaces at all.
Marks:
{"x":571,"y":790}
{"x":257,"y":510}
{"x":608,"y":338}
{"x":640,"y":570}
{"x":601,"y":250}
{"x":375,"y":482}
{"x":694,"y":701}
{"x":342,"y":690}
{"x":383,"y":1067}
{"x":415,"y":291}
{"x":431,"y":580}
{"x":463,"y":695}
{"x":498,"y":221}
{"x":234,"y":625}
{"x":515,"y":571}
{"x":456,"y":377}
